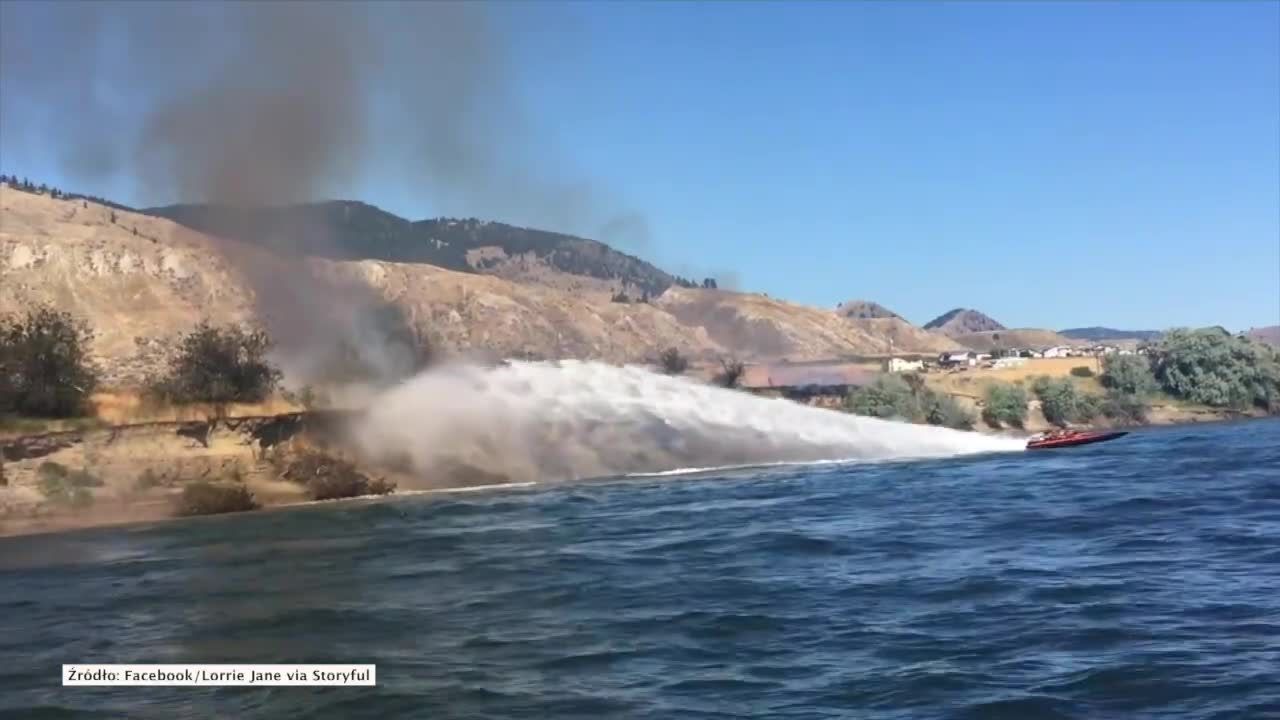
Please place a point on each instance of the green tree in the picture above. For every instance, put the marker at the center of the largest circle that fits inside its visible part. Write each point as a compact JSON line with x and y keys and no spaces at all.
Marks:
{"x":1124,"y":408}
{"x":1128,"y":375}
{"x":45,"y":369}
{"x":888,"y":396}
{"x":1005,"y":405}
{"x":1212,"y":367}
{"x":220,"y":365}
{"x":1062,"y":404}
{"x":944,"y":410}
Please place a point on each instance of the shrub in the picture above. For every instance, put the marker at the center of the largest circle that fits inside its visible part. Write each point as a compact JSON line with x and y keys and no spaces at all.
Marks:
{"x":672,"y":362}
{"x":1062,"y":404}
{"x":330,"y":478}
{"x":730,"y":374}
{"x":905,"y":397}
{"x":1128,"y":375}
{"x":1127,"y":409}
{"x":63,"y":486}
{"x":889,"y":396}
{"x":1082,"y":371}
{"x":206,"y":497}
{"x":1212,"y":367}
{"x":220,"y":366}
{"x":1005,"y":405}
{"x":147,"y":480}
{"x":44,"y":364}
{"x":940,"y":409}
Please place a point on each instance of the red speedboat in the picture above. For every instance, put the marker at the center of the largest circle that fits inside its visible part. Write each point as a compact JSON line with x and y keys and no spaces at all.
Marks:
{"x":1068,"y":438}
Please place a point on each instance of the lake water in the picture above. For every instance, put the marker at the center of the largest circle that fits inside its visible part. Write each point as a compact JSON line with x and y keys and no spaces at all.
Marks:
{"x":1132,"y":579}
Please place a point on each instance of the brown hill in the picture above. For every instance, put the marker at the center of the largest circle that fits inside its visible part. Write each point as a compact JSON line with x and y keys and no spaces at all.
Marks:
{"x":865,"y":310}
{"x":139,"y":280}
{"x":962,"y":321}
{"x":1017,"y":338}
{"x":766,"y":328}
{"x":1269,"y":335}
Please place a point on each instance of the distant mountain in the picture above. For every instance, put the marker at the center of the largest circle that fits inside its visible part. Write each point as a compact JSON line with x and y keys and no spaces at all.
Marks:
{"x":962,"y":321}
{"x":865,"y":310}
{"x":1269,"y":335}
{"x":1105,"y":333}
{"x":1025,"y":338}
{"x":348,"y":230}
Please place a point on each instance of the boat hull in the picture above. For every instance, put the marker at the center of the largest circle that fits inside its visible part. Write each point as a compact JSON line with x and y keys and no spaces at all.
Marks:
{"x":1074,"y":440}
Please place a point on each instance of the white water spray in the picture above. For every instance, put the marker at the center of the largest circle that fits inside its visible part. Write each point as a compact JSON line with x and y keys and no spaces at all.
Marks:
{"x":529,"y":421}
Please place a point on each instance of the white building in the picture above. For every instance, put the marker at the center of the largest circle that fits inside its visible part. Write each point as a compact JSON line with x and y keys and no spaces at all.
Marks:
{"x":900,"y":365}
{"x":1009,"y":362}
{"x":961,"y":358}
{"x":1060,"y":351}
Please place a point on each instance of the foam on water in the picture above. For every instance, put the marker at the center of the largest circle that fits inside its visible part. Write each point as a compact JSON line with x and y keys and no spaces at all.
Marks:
{"x":536,"y":421}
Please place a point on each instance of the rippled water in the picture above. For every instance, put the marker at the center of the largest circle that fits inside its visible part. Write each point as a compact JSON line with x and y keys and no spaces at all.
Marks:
{"x":1133,"y":579}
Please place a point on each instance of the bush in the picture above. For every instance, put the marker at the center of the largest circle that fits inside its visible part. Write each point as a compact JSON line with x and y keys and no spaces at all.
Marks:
{"x":1062,"y":404}
{"x":1128,"y":375}
{"x":889,"y":397}
{"x":63,"y":486}
{"x":1127,"y":409}
{"x":1005,"y":405}
{"x":220,"y":366}
{"x":330,"y":478}
{"x":672,"y":362}
{"x":1082,"y":371}
{"x":44,"y":364}
{"x":905,"y":397}
{"x":730,"y":374}
{"x":205,"y":497}
{"x":1212,"y":367}
{"x":943,"y":410}
{"x":147,"y":480}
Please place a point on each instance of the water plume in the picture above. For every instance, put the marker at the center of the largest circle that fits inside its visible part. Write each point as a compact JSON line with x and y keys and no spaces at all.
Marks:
{"x":533,"y":421}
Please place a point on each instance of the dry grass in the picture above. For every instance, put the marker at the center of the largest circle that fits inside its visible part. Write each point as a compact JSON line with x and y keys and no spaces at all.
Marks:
{"x":971,"y":382}
{"x":124,"y":407}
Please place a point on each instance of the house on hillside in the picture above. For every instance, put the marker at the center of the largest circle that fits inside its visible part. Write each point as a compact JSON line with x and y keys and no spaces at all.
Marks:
{"x":902,"y":365}
{"x":958,"y":359}
{"x":1061,"y":351}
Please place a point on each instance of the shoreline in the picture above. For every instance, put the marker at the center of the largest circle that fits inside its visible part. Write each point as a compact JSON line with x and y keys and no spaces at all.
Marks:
{"x":122,"y":507}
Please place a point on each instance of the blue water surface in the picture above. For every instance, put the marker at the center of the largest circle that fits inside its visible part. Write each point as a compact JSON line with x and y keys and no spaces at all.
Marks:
{"x":1133,"y":579}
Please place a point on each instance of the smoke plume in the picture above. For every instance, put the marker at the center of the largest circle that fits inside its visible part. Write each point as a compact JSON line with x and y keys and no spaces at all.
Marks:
{"x":266,"y":103}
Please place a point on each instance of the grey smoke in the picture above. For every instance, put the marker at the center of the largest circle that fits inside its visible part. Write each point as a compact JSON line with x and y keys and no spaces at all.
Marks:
{"x":253,"y":103}
{"x":272,"y":102}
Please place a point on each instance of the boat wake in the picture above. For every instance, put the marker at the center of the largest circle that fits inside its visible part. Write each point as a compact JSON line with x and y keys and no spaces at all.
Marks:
{"x":540,"y":421}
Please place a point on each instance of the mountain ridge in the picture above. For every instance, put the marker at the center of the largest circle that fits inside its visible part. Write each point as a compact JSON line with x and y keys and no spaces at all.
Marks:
{"x":349,"y":230}
{"x":962,"y":321}
{"x":1096,"y":332}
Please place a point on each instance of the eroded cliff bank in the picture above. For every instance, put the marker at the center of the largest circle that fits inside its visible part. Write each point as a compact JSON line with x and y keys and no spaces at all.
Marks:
{"x":139,"y":472}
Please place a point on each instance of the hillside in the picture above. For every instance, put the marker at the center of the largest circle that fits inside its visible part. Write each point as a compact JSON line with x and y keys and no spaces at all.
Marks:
{"x":962,"y":321}
{"x":1269,"y":335}
{"x":771,"y":328}
{"x":1017,"y":338}
{"x":865,"y":310}
{"x":1098,"y":334}
{"x":139,"y":280}
{"x":346,"y":230}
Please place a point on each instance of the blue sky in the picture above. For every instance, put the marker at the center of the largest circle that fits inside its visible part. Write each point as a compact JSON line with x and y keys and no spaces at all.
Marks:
{"x":1051,"y":164}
